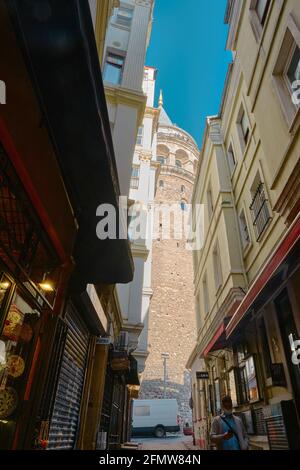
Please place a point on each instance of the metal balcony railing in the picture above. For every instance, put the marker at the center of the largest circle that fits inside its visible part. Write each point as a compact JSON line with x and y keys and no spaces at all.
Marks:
{"x":260,"y":211}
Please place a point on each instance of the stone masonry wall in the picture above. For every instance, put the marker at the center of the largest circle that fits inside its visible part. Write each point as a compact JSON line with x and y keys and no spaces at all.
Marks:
{"x":172,"y":327}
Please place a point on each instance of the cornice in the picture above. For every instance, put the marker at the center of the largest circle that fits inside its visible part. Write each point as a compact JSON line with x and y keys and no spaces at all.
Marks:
{"x":174,"y":170}
{"x":145,"y":155}
{"x":125,"y":96}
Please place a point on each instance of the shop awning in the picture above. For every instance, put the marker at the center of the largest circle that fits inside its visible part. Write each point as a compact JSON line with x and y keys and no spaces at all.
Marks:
{"x":279,"y":265}
{"x":132,"y":377}
{"x":58,"y":44}
{"x":219,"y":340}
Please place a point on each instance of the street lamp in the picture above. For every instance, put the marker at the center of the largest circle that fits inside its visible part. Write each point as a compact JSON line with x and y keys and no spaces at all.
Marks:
{"x":165,"y":356}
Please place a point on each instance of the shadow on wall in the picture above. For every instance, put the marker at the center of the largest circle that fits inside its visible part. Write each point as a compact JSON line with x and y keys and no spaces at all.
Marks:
{"x":154,"y":389}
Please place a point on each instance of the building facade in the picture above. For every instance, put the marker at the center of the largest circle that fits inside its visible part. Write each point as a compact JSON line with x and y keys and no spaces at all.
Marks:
{"x":135,"y":297}
{"x":246,"y":275}
{"x":171,"y":315}
{"x":114,"y":380}
{"x":51,"y":314}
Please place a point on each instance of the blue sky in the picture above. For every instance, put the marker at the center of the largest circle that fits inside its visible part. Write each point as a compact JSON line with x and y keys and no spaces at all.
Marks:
{"x":188,"y":49}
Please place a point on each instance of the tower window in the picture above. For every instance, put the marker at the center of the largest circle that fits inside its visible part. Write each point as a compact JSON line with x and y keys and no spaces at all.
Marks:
{"x":161,"y":160}
{"x":161,"y":184}
{"x":178,"y":163}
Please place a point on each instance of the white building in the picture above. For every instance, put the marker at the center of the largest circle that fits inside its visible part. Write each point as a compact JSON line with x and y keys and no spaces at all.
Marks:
{"x":135,"y":297}
{"x":125,"y":48}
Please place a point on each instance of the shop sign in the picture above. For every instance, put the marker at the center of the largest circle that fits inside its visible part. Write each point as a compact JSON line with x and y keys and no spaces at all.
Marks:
{"x":278,"y":375}
{"x":120,"y":364}
{"x":202,"y":375}
{"x":295,"y":348}
{"x":120,"y":361}
{"x":103,"y":341}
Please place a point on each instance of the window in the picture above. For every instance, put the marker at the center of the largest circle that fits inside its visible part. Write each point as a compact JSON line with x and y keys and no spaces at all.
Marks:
{"x":205,"y":295}
{"x":217,"y":267}
{"x":114,"y":68}
{"x":292,"y":71}
{"x":243,"y":128}
{"x":210,"y":204}
{"x":135,"y":178}
{"x":161,"y":160}
{"x":140,"y":135}
{"x":251,"y":380}
{"x":244,"y":229}
{"x":217,"y":396}
{"x":178,"y":163}
{"x":183,"y":206}
{"x":161,"y":184}
{"x":231,"y":158}
{"x":258,"y":14}
{"x":286,"y":74}
{"x":261,"y":8}
{"x":182,"y":189}
{"x":124,"y":16}
{"x":247,"y":379}
{"x":232,"y":387}
{"x":259,"y":208}
{"x":142,"y":411}
{"x":266,"y":354}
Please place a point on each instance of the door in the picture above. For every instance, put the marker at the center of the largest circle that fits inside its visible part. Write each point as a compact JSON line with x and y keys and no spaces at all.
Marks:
{"x":287,"y":327}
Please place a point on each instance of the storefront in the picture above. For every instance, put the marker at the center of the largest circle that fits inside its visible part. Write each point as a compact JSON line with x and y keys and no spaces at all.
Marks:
{"x":115,"y":422}
{"x":264,"y":381}
{"x":66,"y":179}
{"x":29,"y":278}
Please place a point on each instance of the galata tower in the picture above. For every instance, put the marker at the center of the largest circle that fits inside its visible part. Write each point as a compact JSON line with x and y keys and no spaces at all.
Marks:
{"x":171,"y":318}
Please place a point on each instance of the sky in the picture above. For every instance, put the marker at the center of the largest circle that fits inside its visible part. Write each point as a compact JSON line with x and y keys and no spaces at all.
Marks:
{"x":188,"y":48}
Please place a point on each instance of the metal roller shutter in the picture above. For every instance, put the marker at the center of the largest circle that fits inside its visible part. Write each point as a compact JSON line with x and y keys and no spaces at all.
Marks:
{"x":276,"y":433}
{"x":66,"y":410}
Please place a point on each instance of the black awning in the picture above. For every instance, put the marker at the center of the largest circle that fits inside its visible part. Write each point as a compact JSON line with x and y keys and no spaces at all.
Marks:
{"x":132,"y":376}
{"x":57,"y":39}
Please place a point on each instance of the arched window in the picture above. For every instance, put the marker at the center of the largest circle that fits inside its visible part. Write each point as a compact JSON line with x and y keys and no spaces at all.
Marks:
{"x":161,"y":184}
{"x":178,"y":163}
{"x":161,"y":160}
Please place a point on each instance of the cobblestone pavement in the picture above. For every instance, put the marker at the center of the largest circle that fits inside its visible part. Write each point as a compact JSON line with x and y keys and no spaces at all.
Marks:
{"x":168,"y":443}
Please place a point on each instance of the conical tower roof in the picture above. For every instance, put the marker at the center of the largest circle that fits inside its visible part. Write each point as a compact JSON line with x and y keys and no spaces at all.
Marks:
{"x":164,"y":119}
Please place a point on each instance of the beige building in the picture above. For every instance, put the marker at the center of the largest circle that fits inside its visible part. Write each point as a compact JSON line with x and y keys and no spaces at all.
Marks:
{"x":171,"y":329}
{"x":247,"y":273}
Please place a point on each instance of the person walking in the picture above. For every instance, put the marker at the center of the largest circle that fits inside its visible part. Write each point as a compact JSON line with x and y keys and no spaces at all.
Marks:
{"x":227,"y":430}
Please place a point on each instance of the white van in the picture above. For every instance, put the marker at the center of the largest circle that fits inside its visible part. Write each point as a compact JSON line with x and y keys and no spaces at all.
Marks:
{"x":154,"y":417}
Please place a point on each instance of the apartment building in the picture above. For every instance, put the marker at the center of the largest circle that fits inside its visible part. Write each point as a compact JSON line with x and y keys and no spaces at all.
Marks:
{"x":247,"y":273}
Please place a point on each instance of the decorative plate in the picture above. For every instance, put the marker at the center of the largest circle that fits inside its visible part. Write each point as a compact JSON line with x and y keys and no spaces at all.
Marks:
{"x":8,"y":402}
{"x":15,"y":365}
{"x":13,"y":323}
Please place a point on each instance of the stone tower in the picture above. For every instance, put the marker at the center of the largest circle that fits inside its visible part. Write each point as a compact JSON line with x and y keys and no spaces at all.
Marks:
{"x":171,"y":318}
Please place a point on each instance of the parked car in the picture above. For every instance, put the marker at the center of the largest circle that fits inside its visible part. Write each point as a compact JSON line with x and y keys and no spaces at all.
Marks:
{"x":155,"y":417}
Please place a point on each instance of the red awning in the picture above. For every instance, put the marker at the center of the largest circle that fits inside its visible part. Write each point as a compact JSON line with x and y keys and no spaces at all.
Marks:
{"x":217,"y":342}
{"x":265,"y":275}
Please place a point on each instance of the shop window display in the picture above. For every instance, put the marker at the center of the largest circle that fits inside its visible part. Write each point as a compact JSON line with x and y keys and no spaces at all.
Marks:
{"x":16,"y":349}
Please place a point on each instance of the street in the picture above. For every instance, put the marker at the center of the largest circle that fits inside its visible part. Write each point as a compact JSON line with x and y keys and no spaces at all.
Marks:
{"x":171,"y":442}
